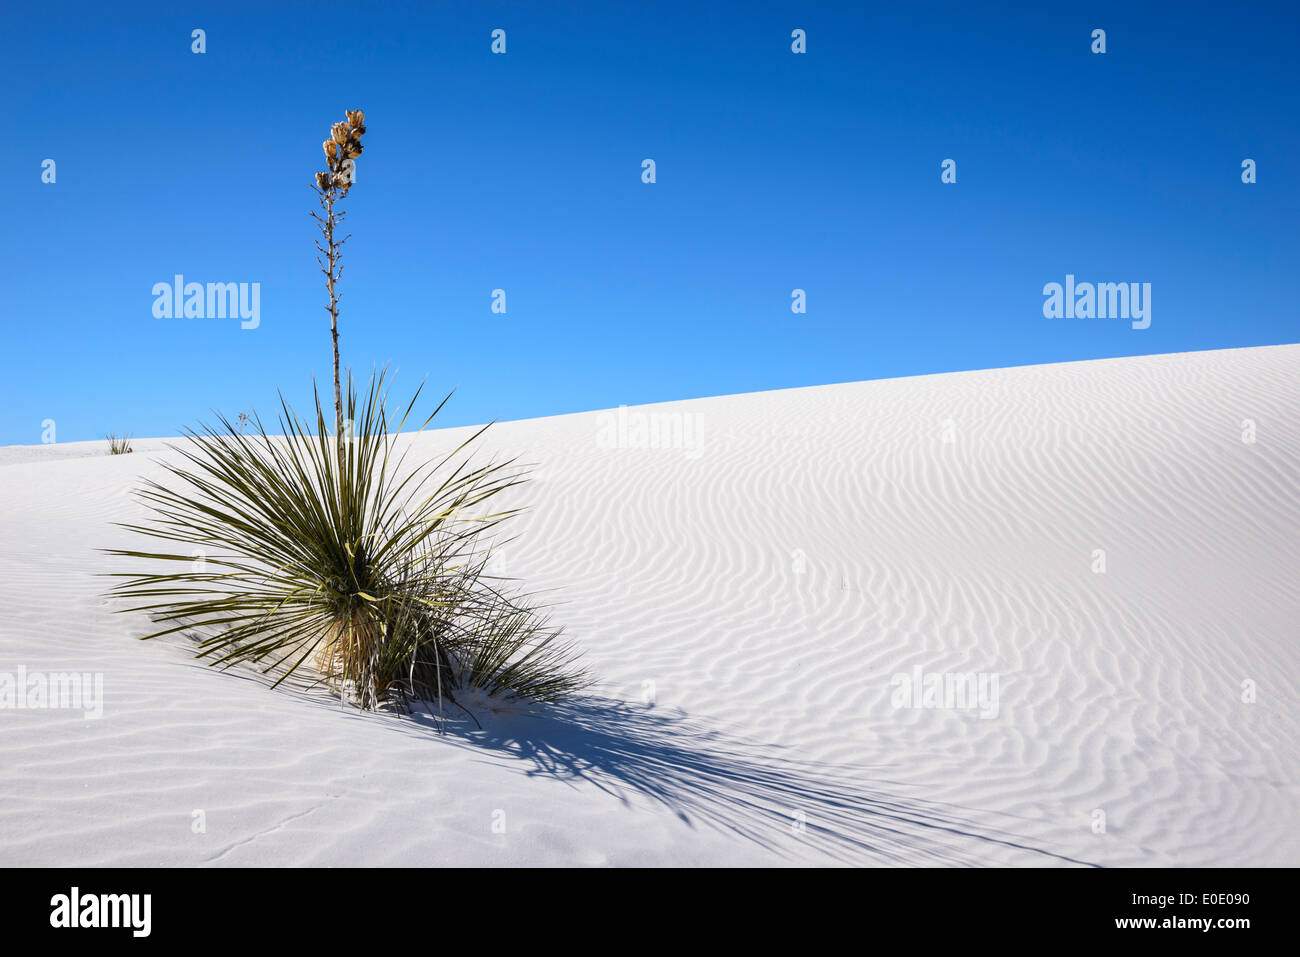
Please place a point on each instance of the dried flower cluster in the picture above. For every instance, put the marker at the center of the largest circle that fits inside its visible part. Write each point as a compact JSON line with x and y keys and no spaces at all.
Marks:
{"x":341,"y":151}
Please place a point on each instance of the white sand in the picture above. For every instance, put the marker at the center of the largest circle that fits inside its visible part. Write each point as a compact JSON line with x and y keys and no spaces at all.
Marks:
{"x":770,"y":583}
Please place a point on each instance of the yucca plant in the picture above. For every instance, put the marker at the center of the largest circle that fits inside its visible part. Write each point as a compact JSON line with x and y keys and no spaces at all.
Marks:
{"x":330,"y":555}
{"x":118,"y":446}
{"x":361,"y":569}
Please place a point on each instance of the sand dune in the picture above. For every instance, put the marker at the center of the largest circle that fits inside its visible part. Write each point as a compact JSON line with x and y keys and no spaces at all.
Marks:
{"x":747,"y":597}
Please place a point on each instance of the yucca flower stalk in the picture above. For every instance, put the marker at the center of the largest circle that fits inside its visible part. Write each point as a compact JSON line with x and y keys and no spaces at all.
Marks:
{"x":341,"y":150}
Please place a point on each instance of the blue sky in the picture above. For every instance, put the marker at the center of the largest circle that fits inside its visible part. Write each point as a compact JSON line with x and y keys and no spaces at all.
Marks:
{"x":522,"y":171}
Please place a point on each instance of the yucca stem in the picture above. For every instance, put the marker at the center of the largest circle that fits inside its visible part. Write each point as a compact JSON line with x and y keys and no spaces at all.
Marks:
{"x":332,"y":269}
{"x":334,"y":318}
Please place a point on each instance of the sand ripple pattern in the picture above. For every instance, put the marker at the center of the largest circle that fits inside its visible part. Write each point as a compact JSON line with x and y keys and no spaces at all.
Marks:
{"x":747,"y":602}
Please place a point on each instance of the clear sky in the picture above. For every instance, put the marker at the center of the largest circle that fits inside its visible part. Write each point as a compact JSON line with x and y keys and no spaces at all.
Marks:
{"x":523,"y":172}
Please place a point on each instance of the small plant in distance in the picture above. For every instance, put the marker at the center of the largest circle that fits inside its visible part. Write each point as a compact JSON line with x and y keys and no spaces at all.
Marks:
{"x":118,"y":446}
{"x":333,"y":555}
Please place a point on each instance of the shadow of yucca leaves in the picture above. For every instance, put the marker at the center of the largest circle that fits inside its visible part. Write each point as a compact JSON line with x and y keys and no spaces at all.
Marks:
{"x":756,"y":792}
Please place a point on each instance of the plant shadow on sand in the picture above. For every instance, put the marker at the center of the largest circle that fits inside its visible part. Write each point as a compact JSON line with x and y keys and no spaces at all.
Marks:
{"x":707,"y":777}
{"x":710,"y":777}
